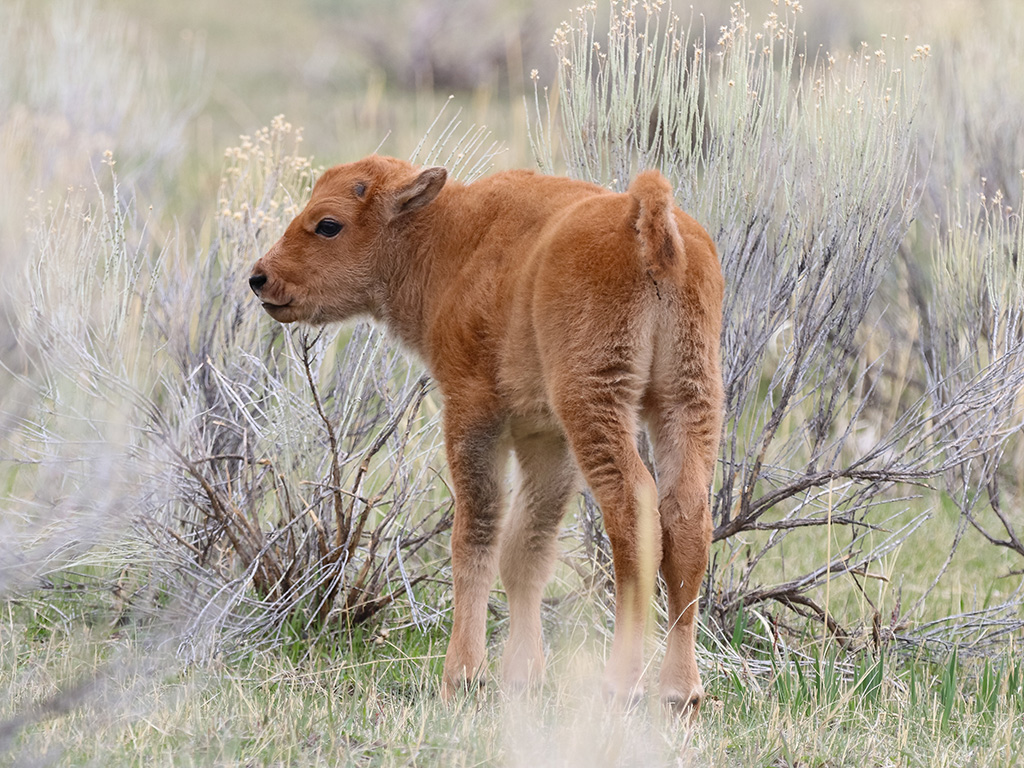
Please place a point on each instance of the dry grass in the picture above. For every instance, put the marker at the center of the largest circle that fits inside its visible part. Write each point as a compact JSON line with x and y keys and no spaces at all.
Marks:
{"x":121,"y":698}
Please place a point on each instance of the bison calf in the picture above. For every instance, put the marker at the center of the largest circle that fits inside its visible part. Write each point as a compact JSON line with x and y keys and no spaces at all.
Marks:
{"x":557,"y":318}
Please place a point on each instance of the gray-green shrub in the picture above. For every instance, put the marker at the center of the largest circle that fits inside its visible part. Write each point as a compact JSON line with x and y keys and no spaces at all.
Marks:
{"x":805,"y":167}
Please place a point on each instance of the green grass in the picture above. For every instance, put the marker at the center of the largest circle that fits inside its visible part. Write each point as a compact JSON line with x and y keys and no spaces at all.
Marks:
{"x":96,"y":695}
{"x":979,"y":574}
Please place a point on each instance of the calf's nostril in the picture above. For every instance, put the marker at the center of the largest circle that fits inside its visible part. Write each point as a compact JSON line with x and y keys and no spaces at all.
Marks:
{"x":256,"y":282}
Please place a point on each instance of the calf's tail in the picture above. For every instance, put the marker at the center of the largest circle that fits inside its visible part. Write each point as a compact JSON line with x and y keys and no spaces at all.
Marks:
{"x":661,"y":245}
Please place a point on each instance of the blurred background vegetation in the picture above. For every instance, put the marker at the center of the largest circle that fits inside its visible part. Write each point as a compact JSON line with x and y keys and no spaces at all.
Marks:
{"x":357,"y":76}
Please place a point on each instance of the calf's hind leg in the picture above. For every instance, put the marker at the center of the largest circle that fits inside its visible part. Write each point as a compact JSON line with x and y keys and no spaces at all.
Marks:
{"x":685,"y":447}
{"x":602,"y":432}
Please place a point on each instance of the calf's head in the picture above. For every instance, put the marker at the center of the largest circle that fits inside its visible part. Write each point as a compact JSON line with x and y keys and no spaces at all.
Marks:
{"x":336,"y":257}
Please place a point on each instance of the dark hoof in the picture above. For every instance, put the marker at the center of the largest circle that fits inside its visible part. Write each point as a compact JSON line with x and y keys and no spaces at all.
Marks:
{"x":684,"y":708}
{"x":452,"y":691}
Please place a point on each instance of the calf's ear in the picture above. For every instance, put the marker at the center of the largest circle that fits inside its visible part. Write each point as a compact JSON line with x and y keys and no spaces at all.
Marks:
{"x":423,"y":189}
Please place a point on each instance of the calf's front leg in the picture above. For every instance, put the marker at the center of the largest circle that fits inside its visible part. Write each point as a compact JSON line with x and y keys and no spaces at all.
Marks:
{"x":476,"y":452}
{"x":547,"y":478}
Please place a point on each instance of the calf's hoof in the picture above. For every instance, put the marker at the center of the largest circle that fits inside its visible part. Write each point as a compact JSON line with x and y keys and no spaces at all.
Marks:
{"x":453,"y":689}
{"x":684,"y":707}
{"x":519,"y":677}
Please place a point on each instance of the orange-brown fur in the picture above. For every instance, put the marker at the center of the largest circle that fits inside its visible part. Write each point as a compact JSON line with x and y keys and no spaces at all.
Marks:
{"x":557,"y":318}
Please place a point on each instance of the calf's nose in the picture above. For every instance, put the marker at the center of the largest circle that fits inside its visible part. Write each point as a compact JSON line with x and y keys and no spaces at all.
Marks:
{"x":256,"y":282}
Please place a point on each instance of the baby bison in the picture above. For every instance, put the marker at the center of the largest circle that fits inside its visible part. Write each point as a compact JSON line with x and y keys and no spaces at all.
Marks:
{"x":557,"y":318}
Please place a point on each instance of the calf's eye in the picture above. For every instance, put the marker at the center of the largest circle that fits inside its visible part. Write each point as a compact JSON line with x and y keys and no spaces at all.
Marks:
{"x":328,"y":228}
